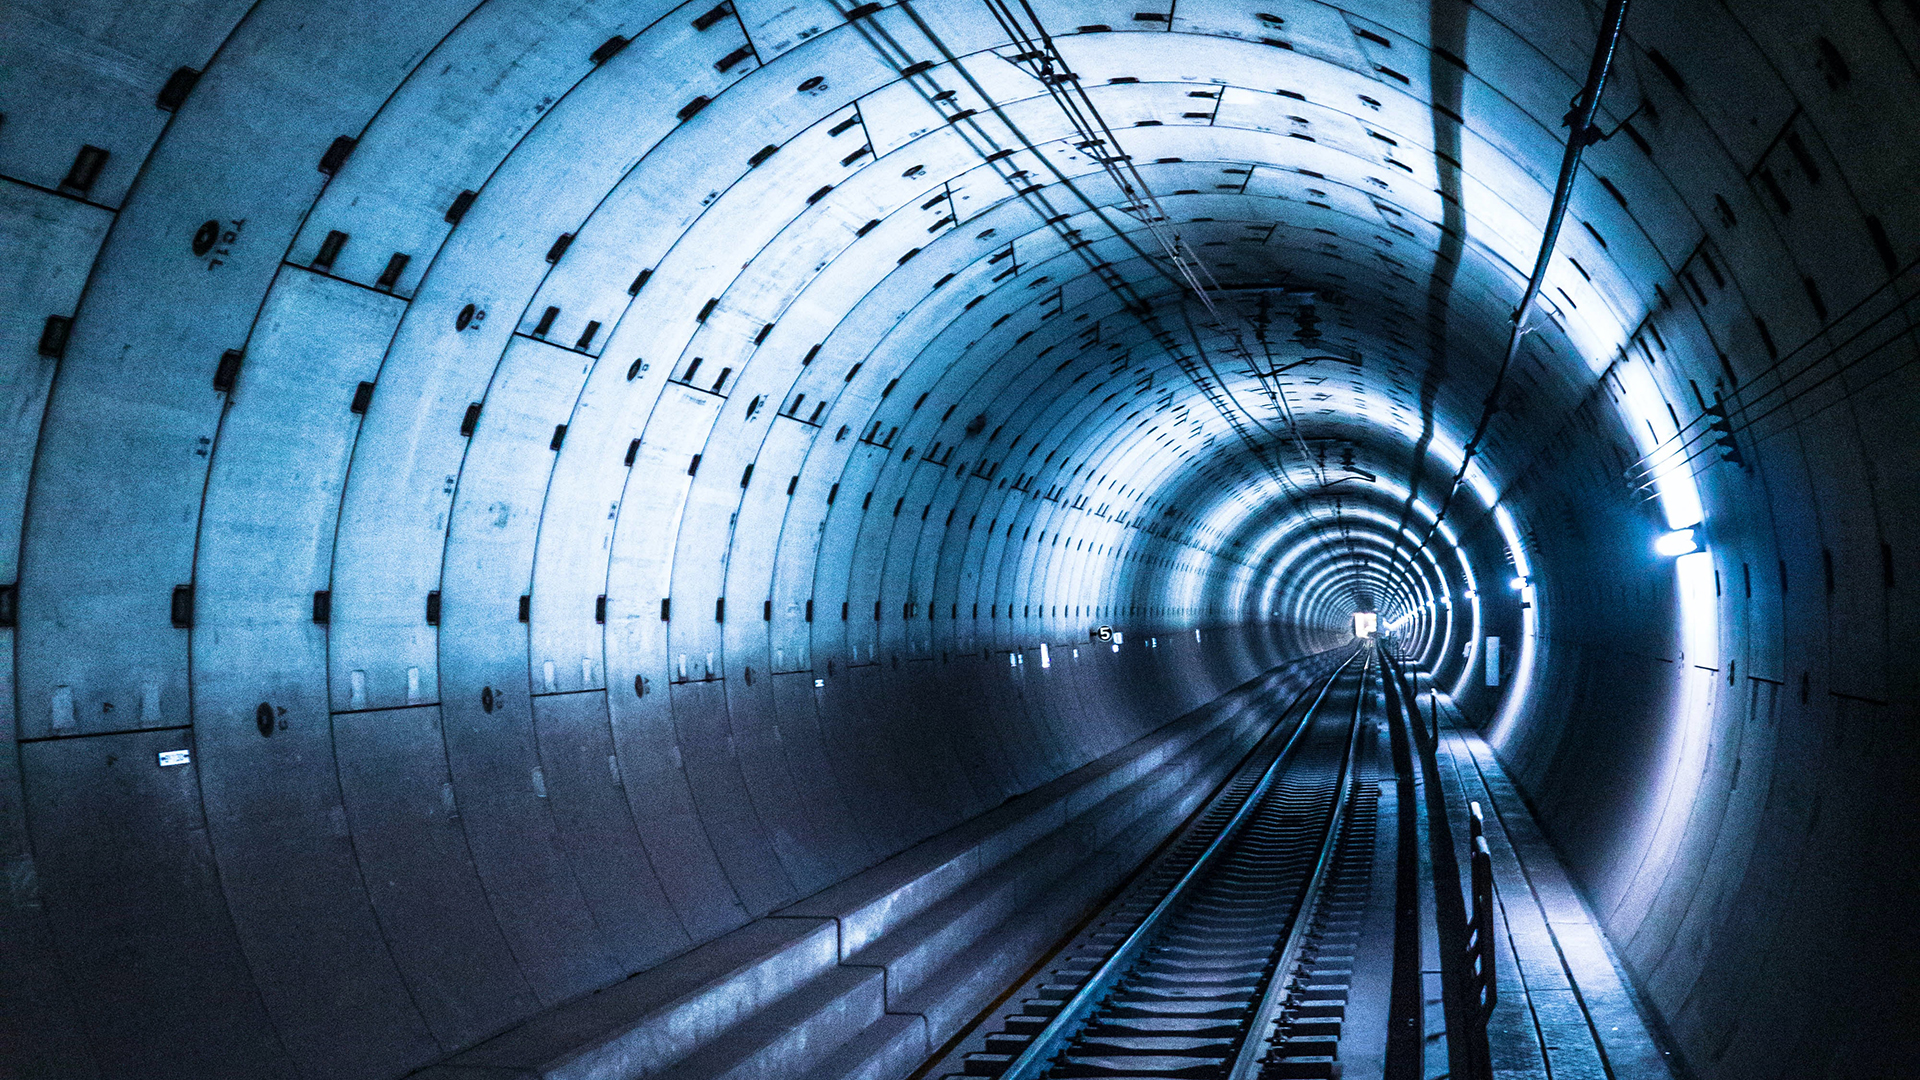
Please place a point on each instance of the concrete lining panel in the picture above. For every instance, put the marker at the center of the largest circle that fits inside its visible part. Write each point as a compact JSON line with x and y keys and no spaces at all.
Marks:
{"x":133,"y":899}
{"x":275,"y":816}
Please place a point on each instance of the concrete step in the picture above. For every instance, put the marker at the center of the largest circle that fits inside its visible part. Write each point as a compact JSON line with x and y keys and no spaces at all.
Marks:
{"x":872,"y":903}
{"x":970,"y":979}
{"x":916,"y":950}
{"x":789,"y":996}
{"x":799,"y":1032}
{"x":647,"y":1023}
{"x":893,"y":1047}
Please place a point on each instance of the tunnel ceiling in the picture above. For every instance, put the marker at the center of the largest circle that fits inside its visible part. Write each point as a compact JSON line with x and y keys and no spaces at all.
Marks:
{"x":881,"y":252}
{"x":929,"y":183}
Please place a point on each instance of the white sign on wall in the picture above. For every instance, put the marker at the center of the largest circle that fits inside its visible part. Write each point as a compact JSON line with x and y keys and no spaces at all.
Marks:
{"x":1493,"y":661}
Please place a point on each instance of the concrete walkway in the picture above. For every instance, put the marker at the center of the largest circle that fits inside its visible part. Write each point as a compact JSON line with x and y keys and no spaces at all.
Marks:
{"x":1565,"y":1011}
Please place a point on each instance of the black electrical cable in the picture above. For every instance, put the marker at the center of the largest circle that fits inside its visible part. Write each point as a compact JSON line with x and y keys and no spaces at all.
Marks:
{"x":1094,"y":133}
{"x":1663,"y":456}
{"x":1581,"y":133}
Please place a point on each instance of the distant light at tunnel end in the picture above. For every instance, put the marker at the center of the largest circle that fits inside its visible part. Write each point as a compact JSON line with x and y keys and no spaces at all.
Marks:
{"x":1676,"y":543}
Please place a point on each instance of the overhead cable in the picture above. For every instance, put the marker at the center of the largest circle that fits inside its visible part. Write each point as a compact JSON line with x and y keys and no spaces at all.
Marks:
{"x":1580,"y":135}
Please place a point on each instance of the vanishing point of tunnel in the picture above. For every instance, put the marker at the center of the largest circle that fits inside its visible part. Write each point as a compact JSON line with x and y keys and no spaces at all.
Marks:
{"x":803,"y":540}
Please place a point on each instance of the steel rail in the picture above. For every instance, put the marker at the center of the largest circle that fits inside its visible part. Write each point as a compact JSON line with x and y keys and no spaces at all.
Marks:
{"x":1248,"y":1061}
{"x":1061,"y":1029}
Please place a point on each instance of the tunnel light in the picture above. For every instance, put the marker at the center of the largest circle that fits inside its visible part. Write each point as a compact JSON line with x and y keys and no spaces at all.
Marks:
{"x":1046,"y":661}
{"x":1517,"y":584}
{"x":1676,"y":543}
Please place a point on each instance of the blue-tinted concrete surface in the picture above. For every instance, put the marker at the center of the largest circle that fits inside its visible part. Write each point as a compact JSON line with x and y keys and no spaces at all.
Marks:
{"x":581,"y":478}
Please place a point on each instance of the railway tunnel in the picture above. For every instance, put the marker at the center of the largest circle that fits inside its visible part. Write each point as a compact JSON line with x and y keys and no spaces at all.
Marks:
{"x":613,"y":539}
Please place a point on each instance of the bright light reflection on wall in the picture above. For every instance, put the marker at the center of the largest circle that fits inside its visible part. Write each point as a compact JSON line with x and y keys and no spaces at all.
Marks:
{"x":1522,"y":681}
{"x":1656,"y":437}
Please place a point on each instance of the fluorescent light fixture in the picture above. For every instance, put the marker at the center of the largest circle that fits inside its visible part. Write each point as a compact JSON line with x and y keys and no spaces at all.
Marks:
{"x":1676,"y":543}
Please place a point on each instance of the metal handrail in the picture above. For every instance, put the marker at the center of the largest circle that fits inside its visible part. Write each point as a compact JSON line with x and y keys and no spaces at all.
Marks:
{"x":1465,"y":936}
{"x":1061,"y":1028}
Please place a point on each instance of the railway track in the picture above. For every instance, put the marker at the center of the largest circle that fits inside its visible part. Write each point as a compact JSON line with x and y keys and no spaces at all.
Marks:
{"x":1228,"y":957}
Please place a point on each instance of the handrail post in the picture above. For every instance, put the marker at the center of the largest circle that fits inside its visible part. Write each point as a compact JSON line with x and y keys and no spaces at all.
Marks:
{"x":1486,"y":991}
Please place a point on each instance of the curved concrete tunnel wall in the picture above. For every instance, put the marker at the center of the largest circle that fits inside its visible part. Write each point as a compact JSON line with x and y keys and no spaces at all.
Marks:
{"x":586,"y":565}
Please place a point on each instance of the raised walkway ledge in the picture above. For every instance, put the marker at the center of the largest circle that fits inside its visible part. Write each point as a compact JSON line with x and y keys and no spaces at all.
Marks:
{"x":866,"y":979}
{"x":1565,"y":1009}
